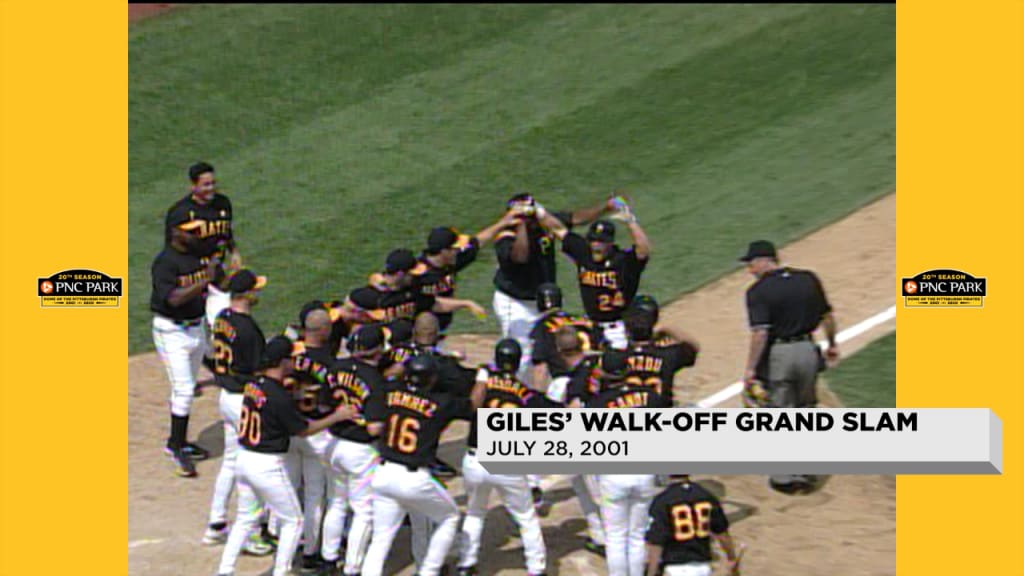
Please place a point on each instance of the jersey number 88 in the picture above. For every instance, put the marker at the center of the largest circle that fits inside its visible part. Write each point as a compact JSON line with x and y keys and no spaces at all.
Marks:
{"x":691,"y":521}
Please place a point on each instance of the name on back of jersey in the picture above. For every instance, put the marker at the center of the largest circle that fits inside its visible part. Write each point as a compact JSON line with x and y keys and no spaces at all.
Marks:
{"x":402,"y":399}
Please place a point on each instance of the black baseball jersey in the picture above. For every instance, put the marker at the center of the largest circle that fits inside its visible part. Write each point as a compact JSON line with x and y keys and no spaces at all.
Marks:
{"x":788,"y":302}
{"x":504,"y":390}
{"x":215,"y":235}
{"x":654,"y":364}
{"x":238,"y":345}
{"x":413,"y":421}
{"x":385,"y":305}
{"x":452,"y":376}
{"x":606,"y":287}
{"x":543,"y":337}
{"x":172,"y":269}
{"x":520,"y":281}
{"x":314,"y":369}
{"x":269,"y":417}
{"x":584,"y":380}
{"x":628,"y":397}
{"x":353,"y":382}
{"x":682,"y":519}
{"x":434,"y":281}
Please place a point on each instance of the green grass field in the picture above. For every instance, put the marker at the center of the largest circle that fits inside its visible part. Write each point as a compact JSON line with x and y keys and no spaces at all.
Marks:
{"x":867,"y":379}
{"x":342,"y":132}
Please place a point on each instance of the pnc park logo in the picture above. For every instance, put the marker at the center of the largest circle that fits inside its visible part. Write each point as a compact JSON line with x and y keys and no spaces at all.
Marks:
{"x":80,"y":289}
{"x":944,"y":289}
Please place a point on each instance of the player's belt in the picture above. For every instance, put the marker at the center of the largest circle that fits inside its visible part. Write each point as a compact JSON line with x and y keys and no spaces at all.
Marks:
{"x":408,"y":467}
{"x":791,"y":339}
{"x":183,"y":323}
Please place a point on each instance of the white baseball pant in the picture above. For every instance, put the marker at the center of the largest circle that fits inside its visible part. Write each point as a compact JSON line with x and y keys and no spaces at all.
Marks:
{"x":689,"y":569}
{"x":516,"y":494}
{"x":215,"y":302}
{"x":397,"y":491}
{"x":181,"y":350}
{"x":625,"y":502}
{"x":264,"y":477}
{"x":230,"y":411}
{"x":587,"y":494}
{"x":307,"y":457}
{"x":352,"y":467}
{"x":517,"y":318}
{"x":615,"y":334}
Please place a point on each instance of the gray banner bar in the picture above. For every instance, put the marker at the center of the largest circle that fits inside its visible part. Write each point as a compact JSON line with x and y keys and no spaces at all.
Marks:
{"x":738,"y":441}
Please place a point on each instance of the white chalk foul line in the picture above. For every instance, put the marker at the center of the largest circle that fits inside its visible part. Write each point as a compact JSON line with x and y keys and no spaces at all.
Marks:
{"x":843,"y":336}
{"x":143,"y":542}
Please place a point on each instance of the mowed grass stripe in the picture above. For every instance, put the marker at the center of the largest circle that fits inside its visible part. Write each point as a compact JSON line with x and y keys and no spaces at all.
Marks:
{"x":649,"y":103}
{"x":208,"y":81}
{"x":868,"y":378}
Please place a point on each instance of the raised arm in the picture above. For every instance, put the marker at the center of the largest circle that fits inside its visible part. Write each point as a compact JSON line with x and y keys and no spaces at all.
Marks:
{"x":487,"y":234}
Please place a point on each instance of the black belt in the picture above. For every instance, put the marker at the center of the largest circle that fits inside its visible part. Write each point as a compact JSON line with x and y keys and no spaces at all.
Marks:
{"x":184,"y":323}
{"x":791,"y":339}
{"x":408,"y":467}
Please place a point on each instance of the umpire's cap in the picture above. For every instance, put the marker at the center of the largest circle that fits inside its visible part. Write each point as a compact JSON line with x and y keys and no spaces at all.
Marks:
{"x":507,"y":355}
{"x":549,"y":296}
{"x":279,"y":348}
{"x":759,"y":249}
{"x":421,"y":371}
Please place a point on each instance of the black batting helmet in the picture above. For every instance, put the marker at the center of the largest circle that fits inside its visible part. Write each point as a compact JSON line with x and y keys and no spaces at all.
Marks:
{"x":647,"y":304}
{"x":549,"y":296}
{"x":421,"y":371}
{"x":507,"y":354}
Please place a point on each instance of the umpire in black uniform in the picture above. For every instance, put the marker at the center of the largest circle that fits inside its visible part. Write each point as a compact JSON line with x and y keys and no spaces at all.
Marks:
{"x":785,"y":306}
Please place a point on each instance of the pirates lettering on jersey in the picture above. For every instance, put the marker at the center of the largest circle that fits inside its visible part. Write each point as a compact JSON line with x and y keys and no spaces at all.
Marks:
{"x":607,"y":279}
{"x":405,"y":310}
{"x":635,"y":399}
{"x":402,"y":399}
{"x":214,"y":228}
{"x":192,"y":278}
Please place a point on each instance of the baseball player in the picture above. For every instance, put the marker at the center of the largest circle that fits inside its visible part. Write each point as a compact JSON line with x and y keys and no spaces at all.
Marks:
{"x":269,"y":418}
{"x":785,"y":306}
{"x":409,"y":417}
{"x":547,"y":363}
{"x":683,"y":519}
{"x":205,"y":204}
{"x":502,"y":390}
{"x":625,"y":498}
{"x":608,"y":276}
{"x":575,"y":389}
{"x":655,"y":353}
{"x":313,"y":374}
{"x":238,"y":350}
{"x":394,"y":294}
{"x":446,"y":254}
{"x":180,"y":282}
{"x":353,"y":457}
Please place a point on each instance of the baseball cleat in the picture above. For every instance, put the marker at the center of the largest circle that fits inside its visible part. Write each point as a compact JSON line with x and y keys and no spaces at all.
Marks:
{"x":467,"y":571}
{"x":593,"y":547}
{"x":540,"y":503}
{"x":183,"y":465}
{"x":194,"y":451}
{"x":256,"y":546}
{"x":311,"y":564}
{"x":216,"y":534}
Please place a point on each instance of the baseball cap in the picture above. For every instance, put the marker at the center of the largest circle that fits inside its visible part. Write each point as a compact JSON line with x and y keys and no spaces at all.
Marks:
{"x":759,"y":249}
{"x":613,"y":366}
{"x":400,"y":331}
{"x":279,"y":348}
{"x":522,"y":198}
{"x":244,"y":281}
{"x":309,"y":307}
{"x":366,"y":338}
{"x":601,"y":231}
{"x":441,"y":238}
{"x":400,"y":260}
{"x":184,"y":221}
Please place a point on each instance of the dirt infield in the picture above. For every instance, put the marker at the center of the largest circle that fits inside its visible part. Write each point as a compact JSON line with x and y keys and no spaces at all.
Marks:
{"x":848,"y":527}
{"x":139,"y":11}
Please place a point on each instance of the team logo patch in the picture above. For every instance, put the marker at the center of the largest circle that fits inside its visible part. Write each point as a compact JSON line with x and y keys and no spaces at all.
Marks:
{"x":80,"y":288}
{"x":944,"y":289}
